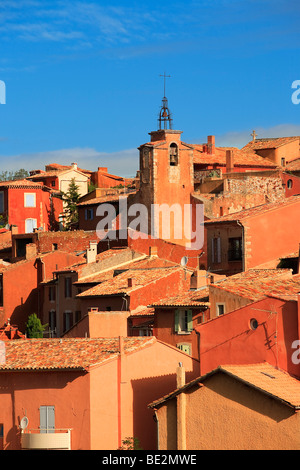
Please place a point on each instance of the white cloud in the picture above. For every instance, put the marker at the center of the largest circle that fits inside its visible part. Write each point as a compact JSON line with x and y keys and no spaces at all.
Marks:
{"x":122,"y":163}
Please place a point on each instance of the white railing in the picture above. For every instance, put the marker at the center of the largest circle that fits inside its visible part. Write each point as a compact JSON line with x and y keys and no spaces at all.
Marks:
{"x":56,"y":439}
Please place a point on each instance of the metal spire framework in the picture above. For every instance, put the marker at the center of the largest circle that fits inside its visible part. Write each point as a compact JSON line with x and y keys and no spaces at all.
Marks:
{"x":165,"y":115}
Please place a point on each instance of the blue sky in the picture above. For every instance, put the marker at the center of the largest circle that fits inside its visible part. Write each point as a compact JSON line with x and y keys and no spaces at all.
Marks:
{"x":83,"y":77}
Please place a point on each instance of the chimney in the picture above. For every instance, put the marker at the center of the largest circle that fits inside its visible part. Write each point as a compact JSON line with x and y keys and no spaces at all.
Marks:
{"x":229,"y":161}
{"x":74,"y":166}
{"x":198,"y":279}
{"x":121,"y":345}
{"x":180,"y":374}
{"x":93,"y":310}
{"x":211,"y":144}
{"x":102,"y":169}
{"x":153,"y":251}
{"x":30,"y":250}
{"x":130,"y":282}
{"x":91,"y":253}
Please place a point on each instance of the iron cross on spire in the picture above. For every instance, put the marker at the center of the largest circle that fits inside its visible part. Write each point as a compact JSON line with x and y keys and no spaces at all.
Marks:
{"x":165,"y":76}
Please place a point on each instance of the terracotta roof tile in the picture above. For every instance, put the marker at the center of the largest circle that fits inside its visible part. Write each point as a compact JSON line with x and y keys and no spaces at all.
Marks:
{"x":240,"y":158}
{"x":256,"y":210}
{"x":193,"y":298}
{"x":262,"y":376}
{"x":119,"y":284}
{"x":268,"y":379}
{"x":69,"y":353}
{"x":269,"y":143}
{"x":256,"y":284}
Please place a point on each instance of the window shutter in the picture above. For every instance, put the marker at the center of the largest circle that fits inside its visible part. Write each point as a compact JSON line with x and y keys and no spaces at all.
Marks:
{"x":219,"y":250}
{"x":85,"y":214}
{"x":190,"y":320}
{"x":212,"y":251}
{"x":176,"y":321}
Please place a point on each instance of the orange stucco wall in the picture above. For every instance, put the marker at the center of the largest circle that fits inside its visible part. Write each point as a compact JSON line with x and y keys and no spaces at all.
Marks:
{"x":22,"y":393}
{"x":127,"y":389}
{"x":216,"y":410}
{"x":271,"y":235}
{"x":228,"y":339}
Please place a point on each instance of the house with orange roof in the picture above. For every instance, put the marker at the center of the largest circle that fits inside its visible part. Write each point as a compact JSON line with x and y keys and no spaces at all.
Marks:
{"x":20,"y":291}
{"x":29,"y":206}
{"x":61,"y":308}
{"x":132,"y":290}
{"x":254,"y":237}
{"x":279,"y":150}
{"x":58,"y":177}
{"x":84,"y":393}
{"x":176,"y":317}
{"x":232,"y":407}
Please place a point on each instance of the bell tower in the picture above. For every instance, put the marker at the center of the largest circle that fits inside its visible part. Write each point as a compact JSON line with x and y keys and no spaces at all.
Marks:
{"x":166,"y":176}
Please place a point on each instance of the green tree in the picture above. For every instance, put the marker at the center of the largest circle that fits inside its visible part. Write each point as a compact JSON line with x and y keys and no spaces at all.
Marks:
{"x":71,"y":198}
{"x":13,"y":175}
{"x":34,"y":327}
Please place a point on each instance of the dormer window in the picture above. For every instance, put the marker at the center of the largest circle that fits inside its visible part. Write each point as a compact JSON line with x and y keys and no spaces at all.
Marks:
{"x":173,"y":154}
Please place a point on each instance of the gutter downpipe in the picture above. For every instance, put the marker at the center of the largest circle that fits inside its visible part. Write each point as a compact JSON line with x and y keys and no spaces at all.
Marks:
{"x":243,"y":245}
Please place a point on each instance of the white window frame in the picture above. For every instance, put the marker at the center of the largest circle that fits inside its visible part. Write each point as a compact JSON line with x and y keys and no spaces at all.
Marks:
{"x":30,"y":218}
{"x":25,"y":202}
{"x":218,"y":304}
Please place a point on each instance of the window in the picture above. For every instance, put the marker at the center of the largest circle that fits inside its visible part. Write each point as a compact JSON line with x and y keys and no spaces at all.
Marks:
{"x":289,"y":184}
{"x":183,"y":321}
{"x":1,"y":202}
{"x":52,"y":293}
{"x":89,"y":214}
{"x":47,"y":419}
{"x":52,"y":322}
{"x":220,"y":309}
{"x":283,"y":162}
{"x":53,"y":183}
{"x":30,"y":225}
{"x":68,"y":320}
{"x":68,"y":287}
{"x":216,"y":250}
{"x":235,"y":249}
{"x":29,"y":200}
{"x":185,"y":347}
{"x":173,"y":154}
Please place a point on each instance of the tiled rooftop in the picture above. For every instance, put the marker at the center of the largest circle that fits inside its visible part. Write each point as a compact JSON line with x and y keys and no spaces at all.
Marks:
{"x":192,"y":298}
{"x":78,"y":353}
{"x":254,"y":211}
{"x":256,"y":284}
{"x":262,"y":376}
{"x":240,"y":157}
{"x":119,"y":283}
{"x":20,"y":183}
{"x":269,"y":143}
{"x":268,"y":379}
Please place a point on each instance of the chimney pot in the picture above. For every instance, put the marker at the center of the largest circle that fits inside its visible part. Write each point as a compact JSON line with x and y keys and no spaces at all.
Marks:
{"x":211,"y":144}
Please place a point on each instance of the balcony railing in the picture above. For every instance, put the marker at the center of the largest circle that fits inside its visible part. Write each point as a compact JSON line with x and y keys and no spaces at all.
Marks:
{"x":57,"y":439}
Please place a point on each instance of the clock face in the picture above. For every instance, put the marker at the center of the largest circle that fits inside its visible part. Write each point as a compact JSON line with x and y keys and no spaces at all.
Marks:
{"x":146,"y":152}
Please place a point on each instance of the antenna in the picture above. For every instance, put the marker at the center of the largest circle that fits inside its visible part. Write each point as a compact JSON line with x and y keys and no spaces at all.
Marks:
{"x":184,"y":261}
